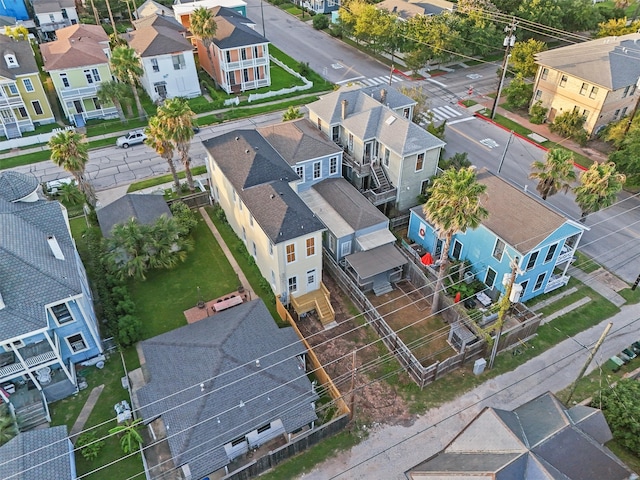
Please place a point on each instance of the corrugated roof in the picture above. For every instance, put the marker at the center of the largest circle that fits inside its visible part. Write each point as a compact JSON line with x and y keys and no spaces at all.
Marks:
{"x":220,"y":352}
{"x":611,"y":62}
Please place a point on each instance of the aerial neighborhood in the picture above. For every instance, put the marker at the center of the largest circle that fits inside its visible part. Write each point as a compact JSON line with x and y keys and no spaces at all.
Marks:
{"x":315,"y":239}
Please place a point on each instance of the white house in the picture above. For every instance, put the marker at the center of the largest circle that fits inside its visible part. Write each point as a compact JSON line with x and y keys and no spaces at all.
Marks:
{"x":54,"y":14}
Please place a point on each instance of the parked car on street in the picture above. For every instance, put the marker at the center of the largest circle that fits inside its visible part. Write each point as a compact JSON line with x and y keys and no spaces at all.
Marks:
{"x":132,"y":138}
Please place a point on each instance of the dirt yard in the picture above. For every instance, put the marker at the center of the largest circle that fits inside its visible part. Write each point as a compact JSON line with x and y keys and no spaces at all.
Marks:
{"x":376,"y":401}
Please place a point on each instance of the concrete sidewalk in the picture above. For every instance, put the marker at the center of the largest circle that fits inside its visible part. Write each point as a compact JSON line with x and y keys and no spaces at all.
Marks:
{"x":602,"y":288}
{"x":389,"y":451}
{"x":78,"y":426}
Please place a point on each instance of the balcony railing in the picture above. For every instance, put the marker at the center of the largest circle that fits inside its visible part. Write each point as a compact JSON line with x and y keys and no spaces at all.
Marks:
{"x":565,"y":255}
{"x":13,"y":101}
{"x":361,"y":168}
{"x":248,"y":63}
{"x":34,"y":356}
{"x":76,"y":93}
{"x":556,"y":281}
{"x":381,"y":197}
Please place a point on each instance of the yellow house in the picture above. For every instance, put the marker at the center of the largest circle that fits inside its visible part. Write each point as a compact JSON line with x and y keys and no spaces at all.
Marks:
{"x":78,"y":63}
{"x":23,"y":101}
{"x":253,"y":185}
{"x":598,"y":78}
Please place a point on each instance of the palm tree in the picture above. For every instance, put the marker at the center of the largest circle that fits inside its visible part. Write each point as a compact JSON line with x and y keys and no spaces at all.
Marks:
{"x":177,"y":117}
{"x":453,"y":206}
{"x":166,"y":246}
{"x":203,"y":26}
{"x":127,"y":250}
{"x":70,"y":151}
{"x":131,"y":438}
{"x":158,"y":139}
{"x":126,"y":67}
{"x":555,"y":173}
{"x":112,"y":92}
{"x":598,"y":188}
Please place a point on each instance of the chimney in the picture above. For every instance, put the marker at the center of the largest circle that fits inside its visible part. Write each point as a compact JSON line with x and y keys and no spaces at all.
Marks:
{"x":383,"y":96}
{"x":344,"y":109}
{"x":55,"y":247}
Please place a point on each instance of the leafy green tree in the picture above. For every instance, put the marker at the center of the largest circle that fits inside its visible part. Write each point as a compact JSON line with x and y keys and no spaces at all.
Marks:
{"x":579,"y":15}
{"x":555,"y":173}
{"x":416,"y":59}
{"x":454,"y":205}
{"x":621,"y":408}
{"x":518,"y":92}
{"x":203,"y":26}
{"x":418,"y":95}
{"x":126,"y":67}
{"x":537,"y":113}
{"x":619,"y":132}
{"x":547,"y":12}
{"x":8,"y":427}
{"x":130,"y":438}
{"x":178,"y":119}
{"x":292,"y":113}
{"x":184,"y":217}
{"x":485,"y":33}
{"x":69,"y":150}
{"x":570,"y":125}
{"x":129,"y":330}
{"x":523,"y":60}
{"x":457,"y":161}
{"x":627,"y":157}
{"x":70,"y":194}
{"x":598,"y":188}
{"x":89,"y":445}
{"x":616,"y":27}
{"x":158,"y":138}
{"x":472,"y":6}
{"x":436,"y":35}
{"x":112,"y":92}
{"x":437,"y":130}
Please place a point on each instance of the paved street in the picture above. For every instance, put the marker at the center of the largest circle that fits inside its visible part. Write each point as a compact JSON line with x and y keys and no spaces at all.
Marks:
{"x":391,"y":450}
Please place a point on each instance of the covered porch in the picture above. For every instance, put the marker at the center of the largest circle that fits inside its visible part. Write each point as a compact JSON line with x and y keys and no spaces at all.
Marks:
{"x":376,"y":269}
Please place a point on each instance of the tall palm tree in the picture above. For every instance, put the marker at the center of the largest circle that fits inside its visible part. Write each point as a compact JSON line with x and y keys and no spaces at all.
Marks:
{"x":453,"y":206}
{"x":158,"y":138}
{"x":177,"y":117}
{"x":70,"y":151}
{"x":127,"y":250}
{"x":203,"y":26}
{"x":112,"y":92}
{"x":555,"y":173}
{"x":598,"y":188}
{"x":127,"y":68}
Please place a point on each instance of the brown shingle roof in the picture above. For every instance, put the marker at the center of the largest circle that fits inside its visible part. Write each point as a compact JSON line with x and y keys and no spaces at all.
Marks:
{"x":520,"y":220}
{"x":77,"y":46}
{"x":155,"y":40}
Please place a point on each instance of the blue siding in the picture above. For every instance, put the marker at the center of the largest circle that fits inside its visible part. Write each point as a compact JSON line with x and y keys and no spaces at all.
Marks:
{"x":78,"y":326}
{"x":478,"y":247}
{"x":325,"y":167}
{"x":14,"y":8}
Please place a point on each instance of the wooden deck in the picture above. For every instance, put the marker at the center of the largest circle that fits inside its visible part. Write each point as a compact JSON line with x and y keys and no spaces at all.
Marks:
{"x":318,"y":300}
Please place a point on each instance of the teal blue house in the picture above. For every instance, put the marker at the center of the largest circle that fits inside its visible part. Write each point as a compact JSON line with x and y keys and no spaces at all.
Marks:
{"x":518,"y":227}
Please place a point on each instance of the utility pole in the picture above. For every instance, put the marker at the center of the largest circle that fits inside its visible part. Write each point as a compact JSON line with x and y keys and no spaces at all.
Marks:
{"x":635,"y":284}
{"x":262,"y":14}
{"x":505,"y":304}
{"x":113,"y":23}
{"x":635,"y":109}
{"x":504,"y":154}
{"x":586,"y":364}
{"x":353,"y":386}
{"x":508,"y":42}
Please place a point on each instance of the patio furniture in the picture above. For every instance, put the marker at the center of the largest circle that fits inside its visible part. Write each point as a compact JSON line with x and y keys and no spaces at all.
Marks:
{"x":483,"y":298}
{"x":228,"y":303}
{"x":44,"y":375}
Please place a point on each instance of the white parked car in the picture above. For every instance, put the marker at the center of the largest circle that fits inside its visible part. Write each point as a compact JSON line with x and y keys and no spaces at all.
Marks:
{"x":132,"y":138}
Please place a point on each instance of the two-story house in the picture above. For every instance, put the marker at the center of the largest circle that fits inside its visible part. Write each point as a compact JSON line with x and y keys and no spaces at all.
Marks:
{"x":519,"y":227}
{"x":386,"y":155}
{"x":23,"y":100}
{"x":252,"y":183}
{"x":150,"y":8}
{"x":182,"y":10}
{"x":598,"y":78}
{"x":166,"y":57}
{"x":357,"y":236}
{"x":52,"y":15}
{"x":239,"y":55}
{"x":405,"y":9}
{"x":78,"y":62}
{"x":47,"y":320}
{"x":14,"y":8}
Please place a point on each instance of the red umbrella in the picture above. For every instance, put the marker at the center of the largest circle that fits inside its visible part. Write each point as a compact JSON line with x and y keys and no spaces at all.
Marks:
{"x":457,"y":297}
{"x":427,"y":259}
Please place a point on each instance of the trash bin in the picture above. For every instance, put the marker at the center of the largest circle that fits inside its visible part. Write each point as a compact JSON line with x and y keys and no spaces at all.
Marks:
{"x":479,"y":366}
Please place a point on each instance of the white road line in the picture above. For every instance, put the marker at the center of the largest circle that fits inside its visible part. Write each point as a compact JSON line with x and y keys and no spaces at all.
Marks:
{"x":349,"y":80}
{"x":436,"y":82}
{"x":460,"y":120}
{"x":453,"y":111}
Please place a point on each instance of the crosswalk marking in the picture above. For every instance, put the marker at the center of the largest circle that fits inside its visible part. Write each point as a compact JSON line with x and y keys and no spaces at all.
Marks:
{"x":440,"y":114}
{"x":371,"y":82}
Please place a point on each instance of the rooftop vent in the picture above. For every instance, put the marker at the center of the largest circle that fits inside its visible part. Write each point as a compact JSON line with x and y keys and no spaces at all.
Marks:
{"x":258,"y":363}
{"x":237,"y":139}
{"x":55,"y":247}
{"x":247,"y":151}
{"x":2,"y":304}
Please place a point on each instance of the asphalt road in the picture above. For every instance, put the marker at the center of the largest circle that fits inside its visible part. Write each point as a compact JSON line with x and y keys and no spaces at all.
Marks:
{"x":614,"y":236}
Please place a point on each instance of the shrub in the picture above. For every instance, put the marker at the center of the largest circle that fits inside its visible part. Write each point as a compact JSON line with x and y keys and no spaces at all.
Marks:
{"x":303,"y":69}
{"x":129,"y":330}
{"x":570,"y":124}
{"x":219,"y":213}
{"x":537,"y":113}
{"x":320,"y":22}
{"x":185,"y":217}
{"x":89,"y":446}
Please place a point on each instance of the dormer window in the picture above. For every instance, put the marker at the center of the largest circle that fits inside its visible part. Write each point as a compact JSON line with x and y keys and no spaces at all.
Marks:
{"x":11,"y":60}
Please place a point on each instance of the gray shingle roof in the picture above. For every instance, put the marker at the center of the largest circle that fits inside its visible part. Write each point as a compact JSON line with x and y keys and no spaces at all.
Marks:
{"x":611,"y":62}
{"x":43,"y":454}
{"x":30,"y":276}
{"x":158,"y":20}
{"x":407,"y":9}
{"x":234,"y":30}
{"x":367,"y":119}
{"x":24,"y":56}
{"x":536,"y":441}
{"x":145,"y":208}
{"x":298,"y":141}
{"x":15,"y":185}
{"x":220,"y":353}
{"x":154,"y":40}
{"x":51,"y":6}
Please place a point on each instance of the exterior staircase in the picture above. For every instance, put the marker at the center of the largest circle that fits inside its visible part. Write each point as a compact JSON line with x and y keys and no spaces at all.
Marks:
{"x":12,"y":130}
{"x":31,"y":416}
{"x":318,"y":300}
{"x":382,"y":181}
{"x":380,"y":288}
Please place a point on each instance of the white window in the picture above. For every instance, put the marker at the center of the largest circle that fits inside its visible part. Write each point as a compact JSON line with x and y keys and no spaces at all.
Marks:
{"x":594,"y":92}
{"x":457,"y":249}
{"x":387,"y":154}
{"x":273,"y":278}
{"x":28,"y":85}
{"x":89,"y":77}
{"x":490,"y":278}
{"x":255,"y":250}
{"x":498,"y":250}
{"x":545,"y":73}
{"x":240,"y":204}
{"x":563,"y":80}
{"x":178,"y":62}
{"x":345,"y":248}
{"x":62,"y":314}
{"x":13,"y":89}
{"x":332,"y":243}
{"x":333,"y":165}
{"x":317,"y":173}
{"x":532,"y":260}
{"x":300,"y":172}
{"x":65,"y":80}
{"x":293,"y":284}
{"x":154,"y":65}
{"x":77,"y":343}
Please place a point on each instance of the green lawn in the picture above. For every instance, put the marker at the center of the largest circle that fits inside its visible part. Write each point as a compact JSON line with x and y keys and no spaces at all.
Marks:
{"x":152,"y":182}
{"x":162,"y":298}
{"x":585,"y":263}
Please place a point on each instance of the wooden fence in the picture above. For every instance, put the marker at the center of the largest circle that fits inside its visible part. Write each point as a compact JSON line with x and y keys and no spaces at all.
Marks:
{"x":194,"y":200}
